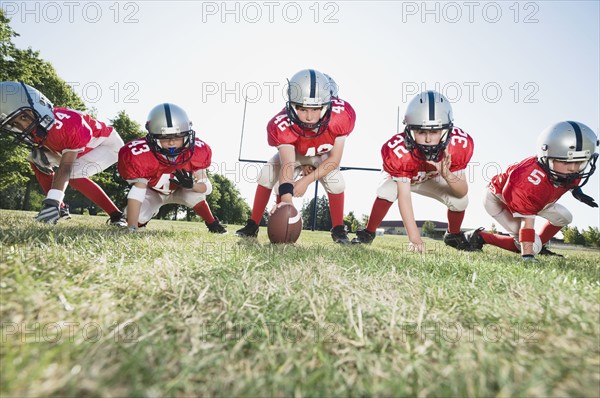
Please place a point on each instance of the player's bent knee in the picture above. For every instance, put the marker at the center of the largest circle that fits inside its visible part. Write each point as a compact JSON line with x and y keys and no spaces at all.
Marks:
{"x":458,"y":204}
{"x":388,"y":191}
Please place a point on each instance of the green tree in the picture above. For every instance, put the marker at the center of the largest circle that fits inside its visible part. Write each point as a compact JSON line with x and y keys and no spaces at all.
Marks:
{"x":428,"y":228}
{"x":352,"y":222}
{"x":592,"y":237}
{"x":226,"y":202}
{"x":573,"y":236}
{"x":323,"y":217}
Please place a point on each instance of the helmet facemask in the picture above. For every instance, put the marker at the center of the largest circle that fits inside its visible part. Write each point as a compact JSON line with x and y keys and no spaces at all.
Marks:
{"x":587,"y":168}
{"x":426,"y":152}
{"x":172,"y":155}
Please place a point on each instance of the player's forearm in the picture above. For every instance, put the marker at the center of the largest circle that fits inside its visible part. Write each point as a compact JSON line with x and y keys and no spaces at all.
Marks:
{"x":63,"y":174}
{"x":408,"y":216}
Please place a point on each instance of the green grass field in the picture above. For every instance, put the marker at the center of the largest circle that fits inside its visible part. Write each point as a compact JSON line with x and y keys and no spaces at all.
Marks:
{"x":88,"y":310}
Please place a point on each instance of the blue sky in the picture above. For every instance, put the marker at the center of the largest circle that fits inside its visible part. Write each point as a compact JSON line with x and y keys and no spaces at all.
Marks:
{"x":510,"y":69}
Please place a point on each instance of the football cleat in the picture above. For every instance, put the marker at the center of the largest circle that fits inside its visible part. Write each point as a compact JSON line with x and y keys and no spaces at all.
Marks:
{"x":250,"y":230}
{"x":475,"y":240}
{"x":363,"y":236}
{"x":216,"y":227}
{"x":64,"y":213}
{"x":547,"y":252}
{"x":339,"y":234}
{"x":457,"y":241}
{"x":117,"y":219}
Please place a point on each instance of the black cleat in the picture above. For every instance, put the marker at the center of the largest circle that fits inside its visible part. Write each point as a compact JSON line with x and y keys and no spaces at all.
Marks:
{"x":475,"y":240}
{"x":363,"y":236}
{"x":64,"y":213}
{"x":547,"y":252}
{"x":216,"y":227}
{"x":117,"y":219}
{"x":339,"y":234}
{"x":250,"y":230}
{"x":457,"y":241}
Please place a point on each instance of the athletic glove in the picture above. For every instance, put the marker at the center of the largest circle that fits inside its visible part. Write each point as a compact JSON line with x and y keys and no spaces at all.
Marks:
{"x":580,"y":196}
{"x":50,"y":212}
{"x":183,"y":178}
{"x":38,"y":157}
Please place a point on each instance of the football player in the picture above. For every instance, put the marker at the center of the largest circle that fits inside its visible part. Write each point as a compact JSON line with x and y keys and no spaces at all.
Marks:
{"x":309,"y":134}
{"x":428,"y":158}
{"x":566,"y":158}
{"x":167,"y":166}
{"x":67,"y":146}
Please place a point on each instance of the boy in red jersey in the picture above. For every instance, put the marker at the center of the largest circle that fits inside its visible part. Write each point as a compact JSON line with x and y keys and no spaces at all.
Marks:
{"x":428,"y":158}
{"x":67,"y":147}
{"x":566,"y":158}
{"x":167,"y":166}
{"x":309,"y":135}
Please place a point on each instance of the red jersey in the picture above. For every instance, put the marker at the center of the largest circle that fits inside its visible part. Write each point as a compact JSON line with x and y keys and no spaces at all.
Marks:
{"x":281,"y":131}
{"x":138,"y":162}
{"x":399,"y":161}
{"x":74,"y":131}
{"x":526,"y":189}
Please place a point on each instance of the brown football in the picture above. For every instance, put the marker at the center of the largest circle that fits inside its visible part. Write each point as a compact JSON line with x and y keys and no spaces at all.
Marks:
{"x":285,"y":225}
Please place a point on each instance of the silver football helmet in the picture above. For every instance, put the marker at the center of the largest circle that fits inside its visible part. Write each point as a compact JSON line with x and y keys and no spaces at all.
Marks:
{"x":429,"y":110}
{"x":309,"y":88}
{"x":25,"y":113}
{"x":332,"y":86}
{"x":170,"y":121}
{"x":568,"y":141}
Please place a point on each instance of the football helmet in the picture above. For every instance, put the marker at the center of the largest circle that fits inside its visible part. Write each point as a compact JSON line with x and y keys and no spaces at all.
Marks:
{"x":25,"y":113}
{"x":170,"y":121}
{"x":309,"y":88}
{"x":568,"y":141}
{"x":429,"y":110}
{"x":332,"y":86}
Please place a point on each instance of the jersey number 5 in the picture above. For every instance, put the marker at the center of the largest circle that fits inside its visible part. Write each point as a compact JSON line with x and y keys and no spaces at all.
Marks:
{"x":536,"y":177}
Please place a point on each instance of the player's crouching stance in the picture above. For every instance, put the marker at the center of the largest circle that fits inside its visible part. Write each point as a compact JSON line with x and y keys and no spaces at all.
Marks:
{"x":67,"y":147}
{"x":309,"y":135}
{"x":566,"y":158}
{"x":167,"y":166}
{"x":428,"y":158}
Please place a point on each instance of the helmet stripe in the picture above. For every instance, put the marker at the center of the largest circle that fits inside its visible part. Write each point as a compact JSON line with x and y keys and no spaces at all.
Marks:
{"x":168,"y":115}
{"x":313,"y":83}
{"x":29,"y":99}
{"x":431,"y":105}
{"x":578,"y":135}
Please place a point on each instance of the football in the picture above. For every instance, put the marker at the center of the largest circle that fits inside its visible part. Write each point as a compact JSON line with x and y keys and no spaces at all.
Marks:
{"x":285,"y":224}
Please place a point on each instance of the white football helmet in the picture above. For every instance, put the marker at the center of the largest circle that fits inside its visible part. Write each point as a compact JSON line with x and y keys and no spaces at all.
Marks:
{"x":429,"y":110}
{"x":170,"y":121}
{"x":568,"y":141}
{"x":25,"y":113}
{"x":309,"y":88}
